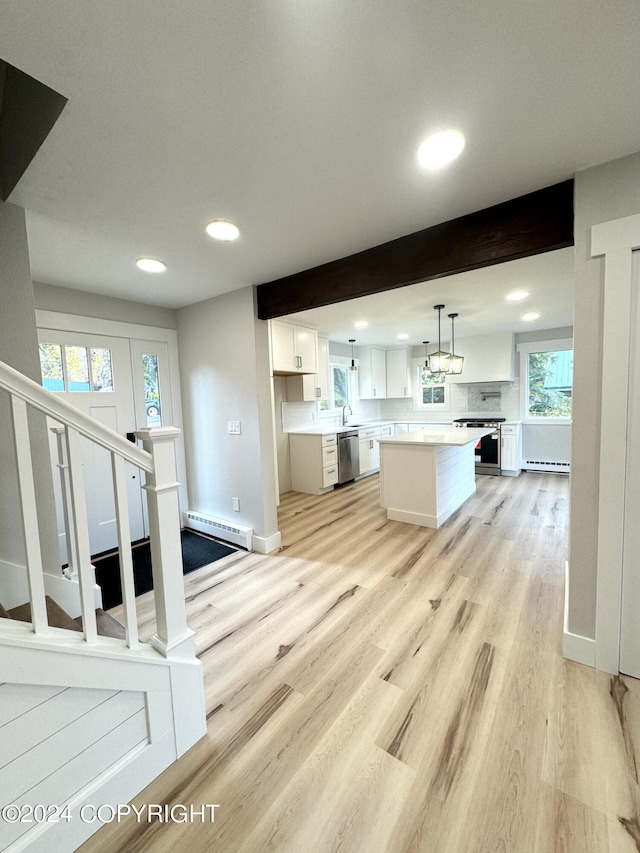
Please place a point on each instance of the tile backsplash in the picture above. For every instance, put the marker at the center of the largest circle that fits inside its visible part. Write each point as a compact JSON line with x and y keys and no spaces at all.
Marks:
{"x":497,"y":399}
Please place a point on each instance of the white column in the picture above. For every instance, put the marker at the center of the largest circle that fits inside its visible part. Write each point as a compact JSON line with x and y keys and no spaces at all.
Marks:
{"x":173,"y":638}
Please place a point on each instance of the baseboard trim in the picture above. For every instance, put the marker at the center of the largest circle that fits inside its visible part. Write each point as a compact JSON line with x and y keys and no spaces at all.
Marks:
{"x":579,"y":649}
{"x":574,"y":646}
{"x":267,"y":544}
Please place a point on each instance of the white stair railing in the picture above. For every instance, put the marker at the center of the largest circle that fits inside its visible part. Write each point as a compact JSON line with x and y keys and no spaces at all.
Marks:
{"x":157,"y":460}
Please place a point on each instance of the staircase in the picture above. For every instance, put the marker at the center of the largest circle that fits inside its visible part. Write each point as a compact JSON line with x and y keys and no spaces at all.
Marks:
{"x":89,"y":714}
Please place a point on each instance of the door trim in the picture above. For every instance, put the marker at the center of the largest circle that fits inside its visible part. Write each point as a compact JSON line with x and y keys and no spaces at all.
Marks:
{"x":615,"y":241}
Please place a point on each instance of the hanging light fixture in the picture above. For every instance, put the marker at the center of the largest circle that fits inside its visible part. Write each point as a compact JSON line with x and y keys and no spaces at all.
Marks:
{"x":426,"y":355}
{"x":439,"y":361}
{"x":353,"y":367}
{"x":455,"y":361}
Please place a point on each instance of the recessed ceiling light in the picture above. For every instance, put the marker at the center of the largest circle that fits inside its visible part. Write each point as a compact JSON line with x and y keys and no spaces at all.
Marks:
{"x":151,"y":265}
{"x":440,"y":148}
{"x":219,"y":229}
{"x":360,"y":324}
{"x":403,"y":336}
{"x":529,"y":318}
{"x":517,"y":295}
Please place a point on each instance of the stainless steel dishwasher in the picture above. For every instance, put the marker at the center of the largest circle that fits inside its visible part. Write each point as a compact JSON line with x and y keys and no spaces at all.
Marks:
{"x":348,"y":456}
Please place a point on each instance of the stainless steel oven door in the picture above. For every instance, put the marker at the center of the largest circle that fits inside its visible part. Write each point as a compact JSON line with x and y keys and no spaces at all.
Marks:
{"x":487,"y":454}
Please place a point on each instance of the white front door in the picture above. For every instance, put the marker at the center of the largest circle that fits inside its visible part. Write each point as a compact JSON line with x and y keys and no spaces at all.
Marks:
{"x":94,"y":374}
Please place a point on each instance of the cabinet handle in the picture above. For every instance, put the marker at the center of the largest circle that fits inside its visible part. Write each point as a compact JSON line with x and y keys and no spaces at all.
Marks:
{"x":298,"y":361}
{"x":331,"y":470}
{"x":318,"y":392}
{"x":371,"y":444}
{"x":374,"y":392}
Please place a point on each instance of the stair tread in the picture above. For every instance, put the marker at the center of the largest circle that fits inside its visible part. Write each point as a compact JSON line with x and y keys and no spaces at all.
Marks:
{"x":56,"y":616}
{"x":107,"y":625}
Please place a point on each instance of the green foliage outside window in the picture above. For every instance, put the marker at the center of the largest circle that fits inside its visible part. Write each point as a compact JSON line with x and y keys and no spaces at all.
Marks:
{"x":550,"y":384}
{"x":432,"y":387}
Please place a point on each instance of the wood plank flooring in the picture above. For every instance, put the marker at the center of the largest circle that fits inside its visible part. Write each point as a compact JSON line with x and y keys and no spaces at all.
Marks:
{"x":381,"y":687}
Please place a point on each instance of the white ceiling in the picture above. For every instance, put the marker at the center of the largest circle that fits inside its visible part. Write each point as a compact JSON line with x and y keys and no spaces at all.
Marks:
{"x":299,"y":120}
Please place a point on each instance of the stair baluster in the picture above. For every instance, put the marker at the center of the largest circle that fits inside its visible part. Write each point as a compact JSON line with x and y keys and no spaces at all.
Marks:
{"x":27,"y":497}
{"x":81,"y":535}
{"x":124,"y":546}
{"x":62,"y":465}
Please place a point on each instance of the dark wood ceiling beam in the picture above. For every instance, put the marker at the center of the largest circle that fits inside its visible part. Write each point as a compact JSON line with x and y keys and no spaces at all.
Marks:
{"x":528,"y":225}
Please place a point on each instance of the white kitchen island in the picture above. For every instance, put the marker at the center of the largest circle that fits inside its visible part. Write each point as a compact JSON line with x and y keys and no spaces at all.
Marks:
{"x":427,"y":474}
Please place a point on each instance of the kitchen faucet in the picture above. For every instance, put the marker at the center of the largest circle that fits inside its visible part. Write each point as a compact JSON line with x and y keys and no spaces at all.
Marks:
{"x":344,"y":417}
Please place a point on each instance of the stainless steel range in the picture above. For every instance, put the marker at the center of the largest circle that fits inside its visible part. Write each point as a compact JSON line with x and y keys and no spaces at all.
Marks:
{"x":488,"y":447}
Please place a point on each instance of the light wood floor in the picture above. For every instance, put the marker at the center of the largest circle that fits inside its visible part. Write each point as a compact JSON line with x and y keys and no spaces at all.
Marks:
{"x":380,"y":687}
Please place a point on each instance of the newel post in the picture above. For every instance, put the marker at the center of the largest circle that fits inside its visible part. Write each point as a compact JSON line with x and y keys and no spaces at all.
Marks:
{"x":173,"y":638}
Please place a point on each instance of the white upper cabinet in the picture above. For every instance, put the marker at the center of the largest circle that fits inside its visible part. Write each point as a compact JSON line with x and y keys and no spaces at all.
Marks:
{"x":398,"y":363}
{"x":372,"y":373}
{"x":294,"y":349}
{"x":323,"y":379}
{"x":311,"y":387}
{"x":487,"y":358}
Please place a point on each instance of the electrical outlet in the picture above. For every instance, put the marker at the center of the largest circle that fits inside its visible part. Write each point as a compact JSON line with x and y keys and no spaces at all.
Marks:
{"x":236,"y":504}
{"x":234,"y":427}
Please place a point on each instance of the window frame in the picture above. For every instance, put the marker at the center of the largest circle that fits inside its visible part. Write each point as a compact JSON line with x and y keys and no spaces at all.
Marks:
{"x":444,"y":406}
{"x":524,"y":350}
{"x":352,"y":395}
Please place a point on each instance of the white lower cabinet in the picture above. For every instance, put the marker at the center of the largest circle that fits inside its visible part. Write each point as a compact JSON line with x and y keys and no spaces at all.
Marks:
{"x":510,"y":450}
{"x":314,"y":462}
{"x":370,"y":448}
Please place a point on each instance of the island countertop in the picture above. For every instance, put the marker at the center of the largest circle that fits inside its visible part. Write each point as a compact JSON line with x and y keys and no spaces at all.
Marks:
{"x":434,"y":436}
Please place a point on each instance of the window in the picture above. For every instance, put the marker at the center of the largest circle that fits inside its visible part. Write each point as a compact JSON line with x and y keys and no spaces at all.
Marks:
{"x":76,"y":368}
{"x":151,"y":389}
{"x":431,"y":389}
{"x":339,"y":388}
{"x":547,"y":374}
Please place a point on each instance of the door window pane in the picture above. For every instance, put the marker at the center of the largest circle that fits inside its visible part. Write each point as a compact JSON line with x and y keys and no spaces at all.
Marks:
{"x":51,"y":367}
{"x":77,"y":368}
{"x":152,"y":389}
{"x":101,"y":369}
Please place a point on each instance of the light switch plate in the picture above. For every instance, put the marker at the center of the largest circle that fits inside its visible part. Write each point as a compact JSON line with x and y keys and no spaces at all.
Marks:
{"x":234,"y":427}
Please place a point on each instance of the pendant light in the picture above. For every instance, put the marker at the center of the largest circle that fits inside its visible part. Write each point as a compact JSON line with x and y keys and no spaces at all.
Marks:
{"x":455,"y":361}
{"x":353,"y":367}
{"x":439,"y":361}
{"x":426,"y":355}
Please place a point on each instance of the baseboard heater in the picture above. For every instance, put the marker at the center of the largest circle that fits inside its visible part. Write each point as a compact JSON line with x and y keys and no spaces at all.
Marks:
{"x":544,"y":465}
{"x":221,"y":529}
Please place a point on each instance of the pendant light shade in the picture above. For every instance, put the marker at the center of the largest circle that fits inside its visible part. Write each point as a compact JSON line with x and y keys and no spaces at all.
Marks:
{"x":353,"y":367}
{"x":440,"y":360}
{"x":455,"y":361}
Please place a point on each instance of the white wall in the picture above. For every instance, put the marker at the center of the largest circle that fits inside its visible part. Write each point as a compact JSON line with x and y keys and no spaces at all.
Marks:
{"x":19,"y":349}
{"x":67,"y":301}
{"x":224,"y":368}
{"x":603,"y":193}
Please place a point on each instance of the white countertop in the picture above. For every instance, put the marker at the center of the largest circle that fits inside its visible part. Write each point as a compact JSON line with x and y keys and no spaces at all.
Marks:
{"x":445,"y":437}
{"x":333,"y":430}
